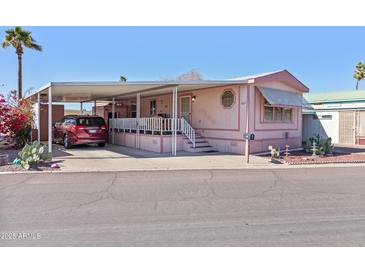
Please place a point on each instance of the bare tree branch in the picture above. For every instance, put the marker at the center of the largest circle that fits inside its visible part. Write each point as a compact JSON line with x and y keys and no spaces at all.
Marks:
{"x":191,"y":75}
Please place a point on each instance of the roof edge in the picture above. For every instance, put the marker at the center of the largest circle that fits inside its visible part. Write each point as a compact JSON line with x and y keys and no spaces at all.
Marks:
{"x":118,"y":83}
{"x":305,"y":88}
{"x":34,"y":92}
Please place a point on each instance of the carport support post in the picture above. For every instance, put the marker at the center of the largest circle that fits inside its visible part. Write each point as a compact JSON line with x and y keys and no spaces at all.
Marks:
{"x":39,"y":118}
{"x":112,"y":120}
{"x":81,"y":112}
{"x":50,"y":120}
{"x":175,"y":124}
{"x":94,"y":107}
{"x":138,"y":115}
{"x":247,"y":141}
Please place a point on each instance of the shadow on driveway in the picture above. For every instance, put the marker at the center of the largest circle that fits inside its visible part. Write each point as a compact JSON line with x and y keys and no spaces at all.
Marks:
{"x":349,"y":149}
{"x":117,"y":152}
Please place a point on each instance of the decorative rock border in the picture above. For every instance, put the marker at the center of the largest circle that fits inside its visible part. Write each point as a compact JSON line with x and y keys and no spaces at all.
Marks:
{"x":325,"y":162}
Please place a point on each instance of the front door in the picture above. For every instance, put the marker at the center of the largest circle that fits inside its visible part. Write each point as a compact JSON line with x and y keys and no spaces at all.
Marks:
{"x":185,"y":108}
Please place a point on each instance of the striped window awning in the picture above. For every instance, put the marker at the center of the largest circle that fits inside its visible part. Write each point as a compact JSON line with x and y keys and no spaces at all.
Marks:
{"x":282,"y":98}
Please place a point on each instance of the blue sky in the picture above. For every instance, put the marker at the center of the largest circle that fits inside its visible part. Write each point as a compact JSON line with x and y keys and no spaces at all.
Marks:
{"x":322,"y":57}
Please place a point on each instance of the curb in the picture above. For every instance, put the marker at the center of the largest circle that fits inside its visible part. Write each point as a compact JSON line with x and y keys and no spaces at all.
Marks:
{"x":257,"y":167}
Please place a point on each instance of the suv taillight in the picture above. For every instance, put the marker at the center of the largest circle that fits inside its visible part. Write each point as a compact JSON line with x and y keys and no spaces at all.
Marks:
{"x":103,"y":127}
{"x":79,"y":127}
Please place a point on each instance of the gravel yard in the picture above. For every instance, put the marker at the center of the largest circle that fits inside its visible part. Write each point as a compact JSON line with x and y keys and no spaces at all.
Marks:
{"x":303,"y":158}
{"x":12,"y":154}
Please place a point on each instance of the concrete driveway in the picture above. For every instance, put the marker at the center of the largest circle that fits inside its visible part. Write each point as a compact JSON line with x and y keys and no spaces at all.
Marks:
{"x":120,"y":158}
{"x":291,"y":207}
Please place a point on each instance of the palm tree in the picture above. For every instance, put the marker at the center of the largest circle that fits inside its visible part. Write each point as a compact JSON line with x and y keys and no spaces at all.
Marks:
{"x":19,"y":38}
{"x":359,"y":73}
{"x":123,"y":79}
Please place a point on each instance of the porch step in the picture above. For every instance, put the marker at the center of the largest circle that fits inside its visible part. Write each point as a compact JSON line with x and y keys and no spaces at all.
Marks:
{"x":201,"y":144}
{"x":197,"y":140}
{"x":199,"y":149}
{"x":197,"y":137}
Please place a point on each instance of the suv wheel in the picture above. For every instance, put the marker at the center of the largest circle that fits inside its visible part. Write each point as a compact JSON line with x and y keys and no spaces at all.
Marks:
{"x":101,"y":144}
{"x":67,"y":141}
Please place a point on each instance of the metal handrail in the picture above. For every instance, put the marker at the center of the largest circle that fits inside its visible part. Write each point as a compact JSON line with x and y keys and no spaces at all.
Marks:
{"x":188,"y":130}
{"x":154,"y":125}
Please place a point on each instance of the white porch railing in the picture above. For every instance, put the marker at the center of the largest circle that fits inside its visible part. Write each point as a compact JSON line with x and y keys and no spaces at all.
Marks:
{"x":153,"y":125}
{"x":188,"y":130}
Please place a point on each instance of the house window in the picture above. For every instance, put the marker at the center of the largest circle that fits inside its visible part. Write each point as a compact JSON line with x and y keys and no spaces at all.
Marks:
{"x":326,"y":117}
{"x":227,"y":98}
{"x":277,"y":114}
{"x":133,"y":110}
{"x":153,"y":107}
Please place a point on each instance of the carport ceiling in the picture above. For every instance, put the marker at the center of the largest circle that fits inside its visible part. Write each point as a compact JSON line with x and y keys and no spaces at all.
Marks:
{"x":105,"y":91}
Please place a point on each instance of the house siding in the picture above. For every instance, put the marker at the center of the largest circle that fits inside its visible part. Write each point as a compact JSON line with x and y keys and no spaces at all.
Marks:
{"x":224,"y":127}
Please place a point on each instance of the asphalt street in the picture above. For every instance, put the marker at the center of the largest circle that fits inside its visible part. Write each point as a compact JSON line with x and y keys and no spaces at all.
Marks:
{"x":277,"y":207}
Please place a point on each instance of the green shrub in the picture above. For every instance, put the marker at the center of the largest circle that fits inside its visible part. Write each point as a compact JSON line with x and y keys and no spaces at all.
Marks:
{"x":324,"y":146}
{"x":33,"y":154}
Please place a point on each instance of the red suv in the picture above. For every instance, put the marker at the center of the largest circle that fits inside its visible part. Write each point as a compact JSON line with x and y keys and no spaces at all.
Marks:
{"x":80,"y":129}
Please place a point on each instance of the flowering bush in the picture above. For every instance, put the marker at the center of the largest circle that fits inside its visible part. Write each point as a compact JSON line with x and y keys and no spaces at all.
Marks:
{"x":16,"y":116}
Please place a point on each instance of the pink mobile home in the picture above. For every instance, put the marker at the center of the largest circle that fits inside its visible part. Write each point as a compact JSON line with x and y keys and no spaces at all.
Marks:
{"x":195,"y":116}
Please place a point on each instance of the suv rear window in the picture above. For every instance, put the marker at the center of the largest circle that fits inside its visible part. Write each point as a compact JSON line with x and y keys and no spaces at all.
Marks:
{"x":90,"y":121}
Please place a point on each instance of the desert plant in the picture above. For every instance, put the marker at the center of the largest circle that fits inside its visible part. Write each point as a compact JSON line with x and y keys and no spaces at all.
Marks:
{"x":275,"y":153}
{"x":33,"y":154}
{"x":308,"y":144}
{"x":324,"y":146}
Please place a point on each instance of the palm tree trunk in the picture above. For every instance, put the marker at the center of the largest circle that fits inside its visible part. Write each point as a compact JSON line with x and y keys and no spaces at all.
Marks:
{"x":19,"y":75}
{"x":357,"y":84}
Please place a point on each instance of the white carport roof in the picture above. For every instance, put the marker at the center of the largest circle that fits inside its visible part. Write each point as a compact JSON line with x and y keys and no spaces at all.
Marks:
{"x":105,"y":91}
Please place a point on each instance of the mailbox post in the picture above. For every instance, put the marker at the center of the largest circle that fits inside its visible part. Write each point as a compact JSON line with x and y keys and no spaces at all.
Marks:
{"x":248,"y":137}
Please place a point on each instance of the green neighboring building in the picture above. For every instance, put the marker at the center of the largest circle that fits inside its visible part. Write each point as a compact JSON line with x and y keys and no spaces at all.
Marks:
{"x":339,"y":115}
